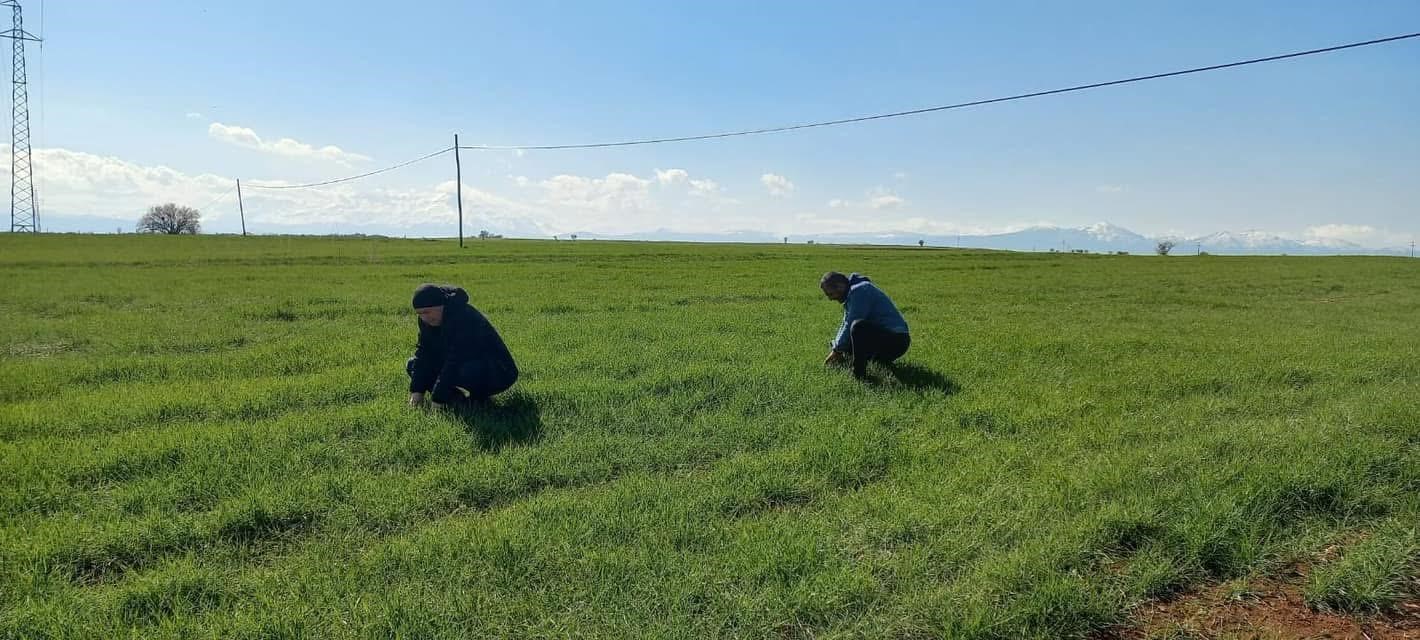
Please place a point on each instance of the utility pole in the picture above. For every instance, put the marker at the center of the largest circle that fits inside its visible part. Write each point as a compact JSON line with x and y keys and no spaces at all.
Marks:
{"x":458,"y":181}
{"x":1412,"y":248}
{"x":24,"y":206}
{"x":241,"y":209}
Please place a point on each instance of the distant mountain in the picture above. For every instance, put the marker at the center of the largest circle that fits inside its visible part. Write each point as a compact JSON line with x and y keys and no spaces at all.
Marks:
{"x":1102,"y":237}
{"x":667,"y":235}
{"x":1096,"y":238}
{"x":1254,"y":242}
{"x":1246,"y":242}
{"x":1332,"y":243}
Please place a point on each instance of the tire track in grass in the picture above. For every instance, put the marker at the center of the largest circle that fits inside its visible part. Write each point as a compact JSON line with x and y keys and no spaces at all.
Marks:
{"x":277,"y":514}
{"x":184,"y":402}
{"x":150,"y":598}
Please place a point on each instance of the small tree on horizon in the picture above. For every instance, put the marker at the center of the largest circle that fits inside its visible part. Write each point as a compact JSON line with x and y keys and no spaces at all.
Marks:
{"x":171,"y":219}
{"x":1164,"y":247}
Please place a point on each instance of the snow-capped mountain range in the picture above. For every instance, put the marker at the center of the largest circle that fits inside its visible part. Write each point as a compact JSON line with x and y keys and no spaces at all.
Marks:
{"x":1101,"y":237}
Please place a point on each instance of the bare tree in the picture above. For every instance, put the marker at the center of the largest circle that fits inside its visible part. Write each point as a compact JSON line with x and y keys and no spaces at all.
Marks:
{"x":1164,"y":247}
{"x":171,"y":219}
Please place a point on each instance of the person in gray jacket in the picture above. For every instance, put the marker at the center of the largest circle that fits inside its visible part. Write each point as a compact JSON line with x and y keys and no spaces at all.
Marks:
{"x":873,"y":330}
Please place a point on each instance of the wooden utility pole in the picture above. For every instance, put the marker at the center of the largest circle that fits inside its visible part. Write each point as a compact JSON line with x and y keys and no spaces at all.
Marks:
{"x":458,"y":180}
{"x":241,"y":208}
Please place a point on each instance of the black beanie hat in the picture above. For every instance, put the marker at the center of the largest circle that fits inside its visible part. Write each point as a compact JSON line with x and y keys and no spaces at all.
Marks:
{"x":428,"y":295}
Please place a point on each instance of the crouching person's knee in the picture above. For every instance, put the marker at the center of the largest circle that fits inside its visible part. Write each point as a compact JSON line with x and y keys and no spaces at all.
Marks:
{"x":503,"y":377}
{"x":511,"y":380}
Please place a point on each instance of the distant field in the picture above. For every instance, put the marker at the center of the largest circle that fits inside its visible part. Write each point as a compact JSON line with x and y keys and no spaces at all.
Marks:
{"x":205,"y":437}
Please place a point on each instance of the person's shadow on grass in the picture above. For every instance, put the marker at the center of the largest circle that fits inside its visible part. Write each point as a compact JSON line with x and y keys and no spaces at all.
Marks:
{"x":512,"y":419}
{"x":918,"y":378}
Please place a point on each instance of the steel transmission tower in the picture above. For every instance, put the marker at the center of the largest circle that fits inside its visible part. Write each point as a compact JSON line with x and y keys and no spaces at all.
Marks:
{"x":24,"y":207}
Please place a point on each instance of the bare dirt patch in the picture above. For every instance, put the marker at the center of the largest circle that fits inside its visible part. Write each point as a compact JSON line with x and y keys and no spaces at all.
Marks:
{"x":1269,"y":608}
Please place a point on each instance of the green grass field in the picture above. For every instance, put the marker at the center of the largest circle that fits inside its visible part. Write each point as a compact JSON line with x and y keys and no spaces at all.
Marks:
{"x":206,"y":437}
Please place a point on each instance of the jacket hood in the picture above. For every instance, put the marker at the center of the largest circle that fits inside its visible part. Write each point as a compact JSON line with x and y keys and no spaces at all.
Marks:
{"x":435,"y":295}
{"x":454,"y":295}
{"x":453,"y":299}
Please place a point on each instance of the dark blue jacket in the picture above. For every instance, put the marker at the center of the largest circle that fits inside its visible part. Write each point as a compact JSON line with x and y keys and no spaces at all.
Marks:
{"x":464,"y":335}
{"x":866,"y":301}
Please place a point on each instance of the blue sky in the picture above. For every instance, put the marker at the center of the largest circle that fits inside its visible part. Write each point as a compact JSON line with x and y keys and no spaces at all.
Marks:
{"x":139,"y":103}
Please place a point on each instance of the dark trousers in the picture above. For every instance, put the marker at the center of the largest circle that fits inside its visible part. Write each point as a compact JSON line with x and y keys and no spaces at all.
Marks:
{"x":482,"y":378}
{"x":872,"y":343}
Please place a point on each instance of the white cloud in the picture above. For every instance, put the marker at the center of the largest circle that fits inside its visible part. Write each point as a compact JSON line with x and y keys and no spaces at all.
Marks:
{"x":704,"y":188}
{"x":778,"y":185}
{"x":616,"y":192}
{"x":78,"y":183}
{"x":672,"y":176}
{"x":193,"y":115}
{"x":624,"y":202}
{"x":878,"y":198}
{"x":1361,"y":234}
{"x":244,"y":137}
{"x":698,"y":187}
{"x":885,"y":201}
{"x":1110,"y":188}
{"x":75,"y":183}
{"x":812,"y":222}
{"x":924,"y":225}
{"x":1347,"y":232}
{"x":489,"y":209}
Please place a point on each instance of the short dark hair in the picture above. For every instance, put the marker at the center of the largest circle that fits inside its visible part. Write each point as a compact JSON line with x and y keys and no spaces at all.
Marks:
{"x":834,"y":278}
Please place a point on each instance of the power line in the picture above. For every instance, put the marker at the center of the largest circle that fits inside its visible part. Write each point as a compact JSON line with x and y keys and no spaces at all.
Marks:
{"x":218,"y":198}
{"x":960,"y":105}
{"x":349,"y":178}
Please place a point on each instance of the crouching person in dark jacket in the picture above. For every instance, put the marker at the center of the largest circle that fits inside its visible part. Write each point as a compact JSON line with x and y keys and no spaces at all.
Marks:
{"x":460,"y":358}
{"x":873,"y":330}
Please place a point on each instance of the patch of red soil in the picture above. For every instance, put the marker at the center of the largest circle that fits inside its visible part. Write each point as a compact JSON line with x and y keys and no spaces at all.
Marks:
{"x":1262,"y":608}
